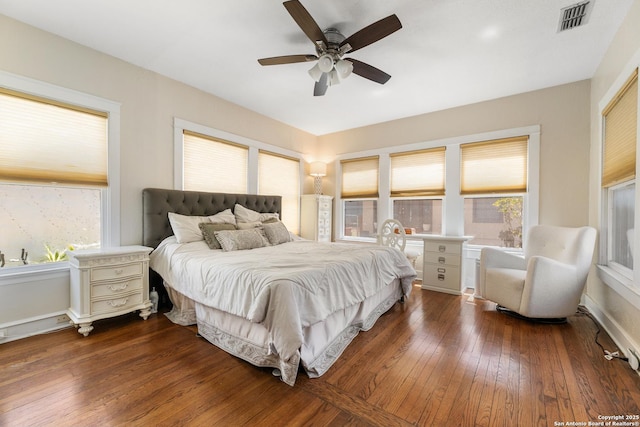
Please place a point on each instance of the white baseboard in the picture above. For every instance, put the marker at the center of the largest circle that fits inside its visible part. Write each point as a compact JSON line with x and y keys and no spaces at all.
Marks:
{"x":32,"y":326}
{"x":622,"y":340}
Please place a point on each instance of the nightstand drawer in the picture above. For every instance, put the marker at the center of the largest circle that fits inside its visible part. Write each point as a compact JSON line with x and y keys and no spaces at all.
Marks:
{"x":116,"y":272}
{"x":114,"y":288}
{"x":443,"y":247}
{"x":441,"y":276}
{"x":119,"y":303}
{"x":442,"y":258}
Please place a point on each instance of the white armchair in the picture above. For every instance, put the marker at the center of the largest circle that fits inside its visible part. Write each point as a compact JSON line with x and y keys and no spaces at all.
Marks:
{"x":548,"y":281}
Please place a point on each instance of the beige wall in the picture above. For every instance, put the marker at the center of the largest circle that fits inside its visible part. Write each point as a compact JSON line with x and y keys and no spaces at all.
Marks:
{"x":625,"y":47}
{"x":149,"y":104}
{"x":562,"y":113}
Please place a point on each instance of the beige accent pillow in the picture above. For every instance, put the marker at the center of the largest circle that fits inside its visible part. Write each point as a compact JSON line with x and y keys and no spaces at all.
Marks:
{"x":276,"y":233}
{"x":208,"y":232}
{"x":247,"y":225}
{"x":239,"y":240}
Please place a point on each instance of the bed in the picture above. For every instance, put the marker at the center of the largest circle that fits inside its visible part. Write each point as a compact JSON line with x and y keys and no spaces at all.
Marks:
{"x":286,"y":302}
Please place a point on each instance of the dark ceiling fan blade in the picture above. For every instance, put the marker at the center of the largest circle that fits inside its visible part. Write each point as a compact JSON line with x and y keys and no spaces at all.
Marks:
{"x":372,"y":33}
{"x":320,"y":88}
{"x":305,"y":21}
{"x":287,"y":59}
{"x":369,"y":72}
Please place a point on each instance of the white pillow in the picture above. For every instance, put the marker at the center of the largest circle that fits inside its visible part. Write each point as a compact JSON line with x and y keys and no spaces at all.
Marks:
{"x":186,"y":227}
{"x":243,"y":214}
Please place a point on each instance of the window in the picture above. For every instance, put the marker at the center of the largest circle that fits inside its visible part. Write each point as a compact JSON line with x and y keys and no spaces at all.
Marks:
{"x":416,"y":175}
{"x":280,"y":175}
{"x":227,"y":175}
{"x":618,"y":175}
{"x":488,"y":168}
{"x":57,"y":163}
{"x":359,"y":194}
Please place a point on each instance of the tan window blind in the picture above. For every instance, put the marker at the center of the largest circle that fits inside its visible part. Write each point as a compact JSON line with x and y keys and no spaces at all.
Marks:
{"x":44,"y":141}
{"x":620,"y":135}
{"x":212,"y":164}
{"x":360,"y":178}
{"x":280,"y":175}
{"x":497,"y":166}
{"x":418,"y":173}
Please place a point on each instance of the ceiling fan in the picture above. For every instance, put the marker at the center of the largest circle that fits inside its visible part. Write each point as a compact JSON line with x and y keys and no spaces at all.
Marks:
{"x":331,"y":46}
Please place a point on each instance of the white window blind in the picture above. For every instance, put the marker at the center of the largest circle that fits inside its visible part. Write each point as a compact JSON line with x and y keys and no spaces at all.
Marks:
{"x":496,"y":166}
{"x":44,"y":141}
{"x":360,"y":178}
{"x":418,"y":173}
{"x":280,"y":175}
{"x":215,"y":165}
{"x":620,"y":134}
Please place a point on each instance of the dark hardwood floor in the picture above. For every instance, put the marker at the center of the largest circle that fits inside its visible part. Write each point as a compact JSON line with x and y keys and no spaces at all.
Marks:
{"x":436,"y":360}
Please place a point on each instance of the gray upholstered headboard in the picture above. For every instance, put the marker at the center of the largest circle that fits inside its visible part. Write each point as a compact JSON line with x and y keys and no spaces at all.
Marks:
{"x":157,"y":203}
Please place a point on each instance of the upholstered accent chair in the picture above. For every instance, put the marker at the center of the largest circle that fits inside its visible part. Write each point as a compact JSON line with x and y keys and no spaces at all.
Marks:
{"x":545,"y":284}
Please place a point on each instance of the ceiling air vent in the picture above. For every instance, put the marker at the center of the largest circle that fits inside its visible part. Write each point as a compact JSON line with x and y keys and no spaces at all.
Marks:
{"x":575,"y":16}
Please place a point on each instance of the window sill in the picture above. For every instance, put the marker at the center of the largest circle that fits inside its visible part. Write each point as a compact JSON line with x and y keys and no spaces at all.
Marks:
{"x":12,"y":275}
{"x":622,"y":285}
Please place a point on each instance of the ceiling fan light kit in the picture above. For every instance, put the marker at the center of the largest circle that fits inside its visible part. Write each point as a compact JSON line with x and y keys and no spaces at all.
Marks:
{"x":330,"y":47}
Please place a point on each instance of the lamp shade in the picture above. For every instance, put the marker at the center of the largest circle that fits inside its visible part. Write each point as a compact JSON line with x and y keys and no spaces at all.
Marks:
{"x":318,"y":169}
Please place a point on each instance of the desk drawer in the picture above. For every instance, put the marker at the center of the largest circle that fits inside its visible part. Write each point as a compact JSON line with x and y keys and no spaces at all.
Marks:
{"x":442,"y":276}
{"x":442,"y":259}
{"x":116,"y":272}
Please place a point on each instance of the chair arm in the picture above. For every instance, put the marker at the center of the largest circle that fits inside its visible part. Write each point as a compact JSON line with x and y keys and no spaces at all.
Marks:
{"x":496,"y":258}
{"x":551,"y":288}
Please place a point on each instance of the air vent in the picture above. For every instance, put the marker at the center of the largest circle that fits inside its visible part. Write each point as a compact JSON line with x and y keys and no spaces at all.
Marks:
{"x":575,"y":16}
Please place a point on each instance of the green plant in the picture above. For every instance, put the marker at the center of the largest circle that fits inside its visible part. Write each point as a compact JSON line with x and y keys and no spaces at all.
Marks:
{"x":55,"y":255}
{"x":511,"y":209}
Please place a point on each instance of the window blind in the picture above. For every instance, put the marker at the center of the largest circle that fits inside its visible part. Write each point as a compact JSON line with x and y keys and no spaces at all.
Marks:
{"x":360,"y":178}
{"x":212,"y":164}
{"x":44,"y":141}
{"x":496,"y":166}
{"x":280,"y":175}
{"x":620,"y":134}
{"x":418,"y":173}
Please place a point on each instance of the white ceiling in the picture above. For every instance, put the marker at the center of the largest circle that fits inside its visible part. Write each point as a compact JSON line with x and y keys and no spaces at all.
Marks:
{"x":448,"y":53}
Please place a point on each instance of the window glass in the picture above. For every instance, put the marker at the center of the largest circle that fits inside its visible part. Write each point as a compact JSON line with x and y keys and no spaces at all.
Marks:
{"x":45,"y":222}
{"x":622,"y":224}
{"x":280,"y":175}
{"x":494,"y":221}
{"x":360,"y":218}
{"x":423,"y":216}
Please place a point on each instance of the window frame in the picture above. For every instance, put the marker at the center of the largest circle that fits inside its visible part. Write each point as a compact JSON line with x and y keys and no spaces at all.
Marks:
{"x":628,"y":286}
{"x":452,"y":201}
{"x":110,"y":195}
{"x":181,"y":125}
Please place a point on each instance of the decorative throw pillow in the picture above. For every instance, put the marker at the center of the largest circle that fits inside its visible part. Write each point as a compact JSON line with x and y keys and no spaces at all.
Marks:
{"x":247,"y":225}
{"x":243,"y":214}
{"x":208,"y":232}
{"x":276,"y":233}
{"x":238,"y":240}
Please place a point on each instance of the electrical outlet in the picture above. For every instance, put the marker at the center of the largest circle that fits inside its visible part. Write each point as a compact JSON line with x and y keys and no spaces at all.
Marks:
{"x":63,"y":318}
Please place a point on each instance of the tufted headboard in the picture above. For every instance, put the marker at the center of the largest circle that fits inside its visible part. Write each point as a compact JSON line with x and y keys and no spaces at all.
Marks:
{"x":157,"y":203}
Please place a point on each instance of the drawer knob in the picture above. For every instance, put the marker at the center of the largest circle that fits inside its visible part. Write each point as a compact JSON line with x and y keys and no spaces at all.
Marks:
{"x":441,"y":260}
{"x":442,"y":270}
{"x":119,"y":288}
{"x":442,"y":248}
{"x":117,"y":303}
{"x":441,"y":277}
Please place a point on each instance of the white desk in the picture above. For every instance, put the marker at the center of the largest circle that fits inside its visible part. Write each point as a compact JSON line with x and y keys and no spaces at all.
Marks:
{"x":442,"y":262}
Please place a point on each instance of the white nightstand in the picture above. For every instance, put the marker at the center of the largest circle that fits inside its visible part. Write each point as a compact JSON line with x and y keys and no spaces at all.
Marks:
{"x":315,"y":217}
{"x":107,"y":283}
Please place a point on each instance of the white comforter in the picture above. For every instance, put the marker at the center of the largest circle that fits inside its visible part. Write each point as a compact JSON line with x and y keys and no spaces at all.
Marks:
{"x":285,"y":287}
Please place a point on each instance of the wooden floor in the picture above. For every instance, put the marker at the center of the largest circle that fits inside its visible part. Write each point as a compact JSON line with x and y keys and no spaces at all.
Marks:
{"x":436,"y":360}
